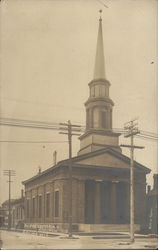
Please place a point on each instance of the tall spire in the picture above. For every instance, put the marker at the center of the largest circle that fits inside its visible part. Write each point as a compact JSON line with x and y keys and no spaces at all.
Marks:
{"x":99,"y":107}
{"x":99,"y":69}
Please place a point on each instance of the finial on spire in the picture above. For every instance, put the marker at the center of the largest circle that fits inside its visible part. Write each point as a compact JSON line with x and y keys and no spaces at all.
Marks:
{"x":100,"y":11}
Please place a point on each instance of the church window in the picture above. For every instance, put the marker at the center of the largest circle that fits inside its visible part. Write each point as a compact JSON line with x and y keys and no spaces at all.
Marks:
{"x":27,"y":208}
{"x":39,"y":206}
{"x":56,"y":203}
{"x":103,"y":119}
{"x":47,"y":204}
{"x":33,"y":207}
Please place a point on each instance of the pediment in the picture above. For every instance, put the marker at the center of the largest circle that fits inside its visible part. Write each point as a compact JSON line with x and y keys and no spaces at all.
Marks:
{"x":104,"y":160}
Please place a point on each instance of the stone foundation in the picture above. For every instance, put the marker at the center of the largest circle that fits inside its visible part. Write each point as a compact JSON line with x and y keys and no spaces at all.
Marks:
{"x":87,"y":228}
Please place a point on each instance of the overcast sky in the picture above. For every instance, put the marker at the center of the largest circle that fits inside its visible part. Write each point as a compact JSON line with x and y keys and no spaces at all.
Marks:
{"x":47,"y":60}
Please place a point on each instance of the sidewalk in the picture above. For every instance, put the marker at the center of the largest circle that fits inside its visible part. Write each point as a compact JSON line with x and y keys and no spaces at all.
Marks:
{"x":97,"y":235}
{"x":17,"y":240}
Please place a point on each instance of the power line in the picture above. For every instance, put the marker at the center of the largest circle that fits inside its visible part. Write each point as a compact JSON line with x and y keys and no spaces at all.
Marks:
{"x":44,"y":125}
{"x":53,"y":142}
{"x":146,"y":138}
{"x":101,"y":2}
{"x":12,"y":141}
{"x":147,"y":132}
{"x":28,"y":121}
{"x":142,"y":134}
{"x":33,"y":124}
{"x":13,"y":122}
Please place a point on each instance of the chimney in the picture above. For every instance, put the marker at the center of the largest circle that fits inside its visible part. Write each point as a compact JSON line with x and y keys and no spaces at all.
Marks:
{"x":55,"y":157}
{"x":39,"y":170}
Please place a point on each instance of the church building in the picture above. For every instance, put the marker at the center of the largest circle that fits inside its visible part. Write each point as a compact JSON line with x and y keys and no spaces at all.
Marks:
{"x":100,"y":173}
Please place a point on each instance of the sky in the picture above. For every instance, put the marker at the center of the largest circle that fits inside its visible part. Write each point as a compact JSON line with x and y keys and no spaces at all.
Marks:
{"x":47,"y":59}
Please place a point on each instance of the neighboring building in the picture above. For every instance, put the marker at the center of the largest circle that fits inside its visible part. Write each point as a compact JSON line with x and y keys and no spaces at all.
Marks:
{"x":17,"y":212}
{"x":2,"y":217}
{"x":5,"y":208}
{"x":101,"y":173}
{"x":152,"y":207}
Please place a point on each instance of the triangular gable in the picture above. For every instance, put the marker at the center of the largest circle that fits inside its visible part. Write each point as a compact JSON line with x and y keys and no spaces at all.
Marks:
{"x":105,"y":160}
{"x":109,"y":158}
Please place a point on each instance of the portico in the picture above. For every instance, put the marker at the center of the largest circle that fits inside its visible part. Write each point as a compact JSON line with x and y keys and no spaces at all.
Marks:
{"x":106,"y":202}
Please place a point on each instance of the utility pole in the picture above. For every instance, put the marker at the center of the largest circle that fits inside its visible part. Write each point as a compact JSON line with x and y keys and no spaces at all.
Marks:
{"x":132,"y":129}
{"x":9,"y":173}
{"x":70,"y":132}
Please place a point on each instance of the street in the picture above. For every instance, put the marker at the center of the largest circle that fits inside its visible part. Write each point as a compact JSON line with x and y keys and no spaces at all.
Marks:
{"x":16,"y":240}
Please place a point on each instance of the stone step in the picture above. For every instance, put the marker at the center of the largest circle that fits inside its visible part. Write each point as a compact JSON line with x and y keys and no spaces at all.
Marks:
{"x":106,"y":227}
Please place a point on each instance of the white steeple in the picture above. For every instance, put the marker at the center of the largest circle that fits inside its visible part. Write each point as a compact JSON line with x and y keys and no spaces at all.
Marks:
{"x":99,"y":107}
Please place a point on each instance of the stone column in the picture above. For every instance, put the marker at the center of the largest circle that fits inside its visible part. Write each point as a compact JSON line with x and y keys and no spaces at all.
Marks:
{"x":113,"y":203}
{"x":127,"y":202}
{"x":97,"y":203}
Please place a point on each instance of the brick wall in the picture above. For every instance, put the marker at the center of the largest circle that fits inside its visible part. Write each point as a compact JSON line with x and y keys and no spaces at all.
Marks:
{"x":59,"y":182}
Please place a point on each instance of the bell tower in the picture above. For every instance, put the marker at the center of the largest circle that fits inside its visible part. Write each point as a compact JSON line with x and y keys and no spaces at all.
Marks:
{"x":99,"y":107}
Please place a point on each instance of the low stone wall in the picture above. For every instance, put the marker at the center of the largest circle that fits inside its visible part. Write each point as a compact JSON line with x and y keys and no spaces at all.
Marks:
{"x":47,"y":227}
{"x":106,"y":227}
{"x":87,"y":228}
